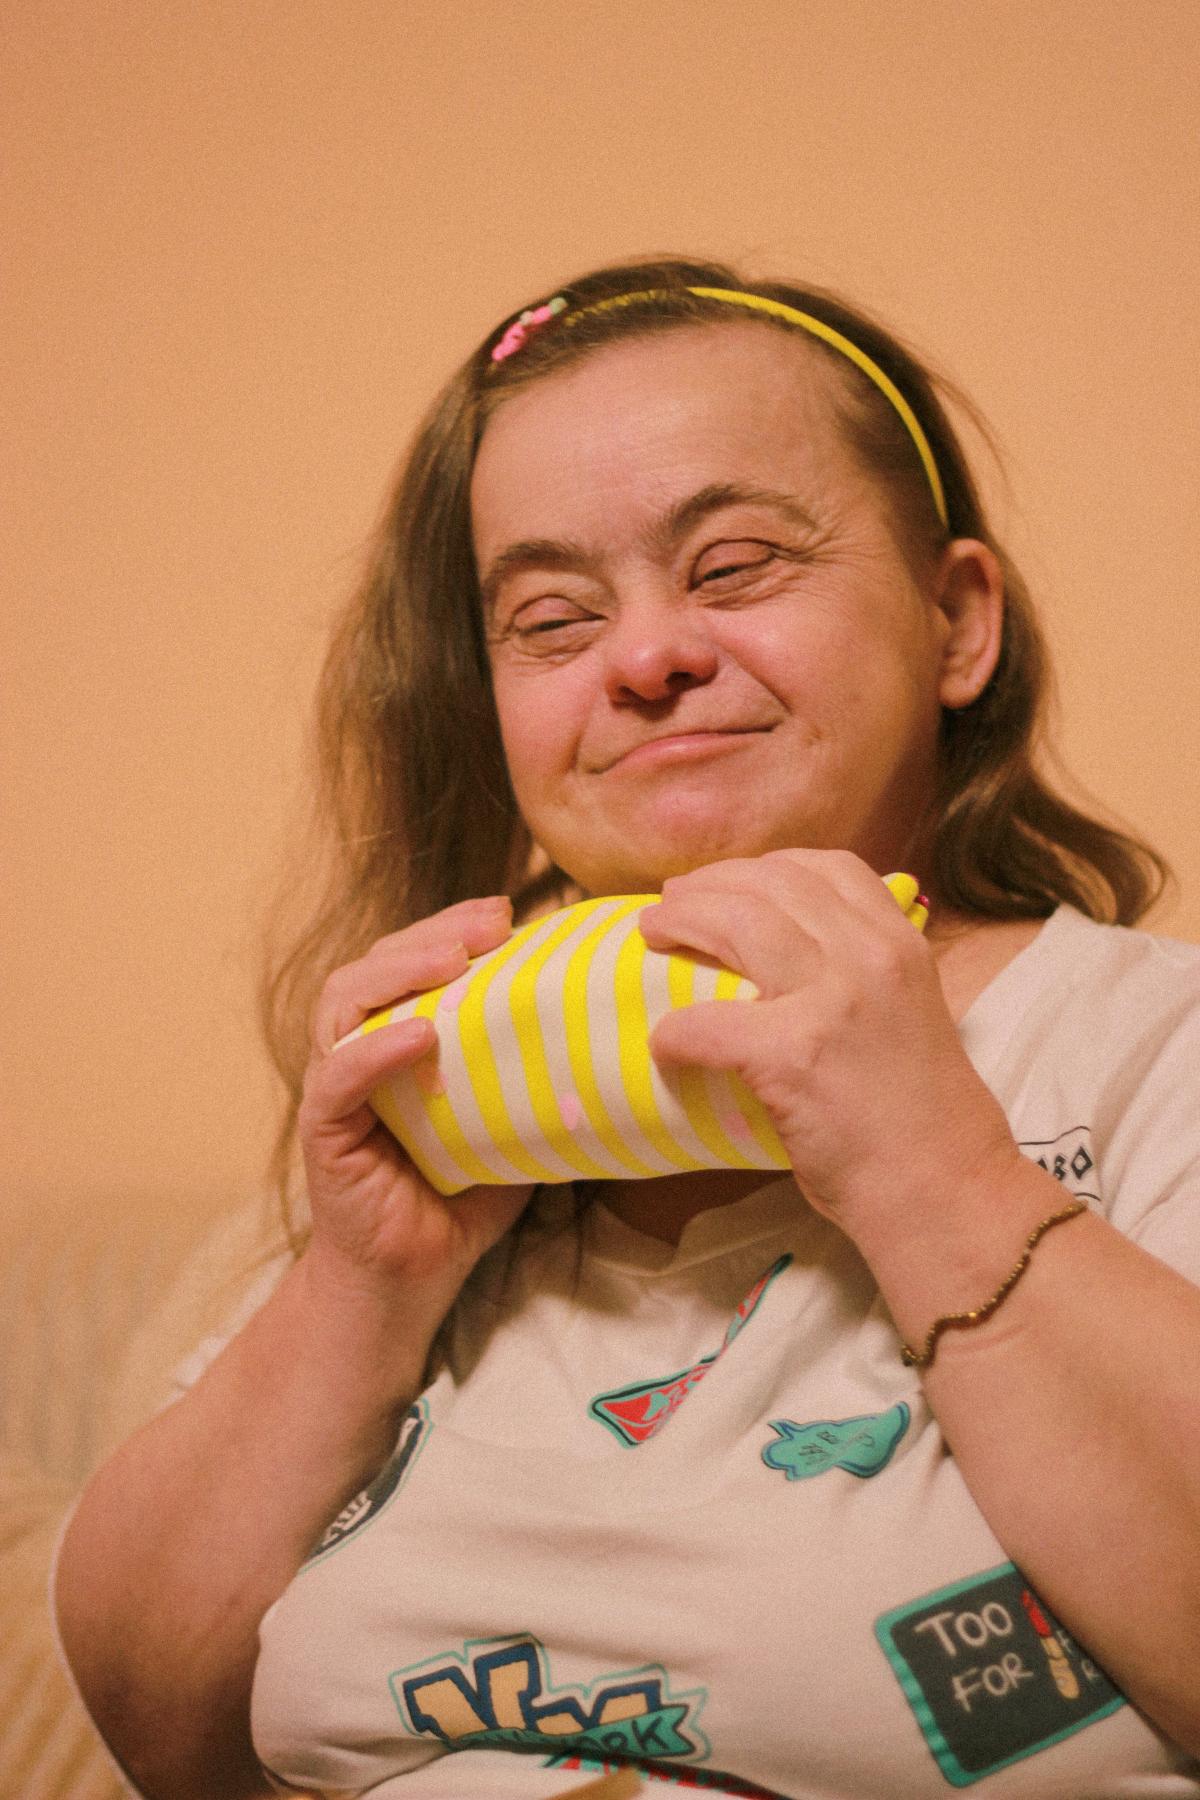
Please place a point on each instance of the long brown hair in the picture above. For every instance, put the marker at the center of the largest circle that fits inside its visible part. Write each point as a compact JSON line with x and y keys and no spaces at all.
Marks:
{"x":413,"y":809}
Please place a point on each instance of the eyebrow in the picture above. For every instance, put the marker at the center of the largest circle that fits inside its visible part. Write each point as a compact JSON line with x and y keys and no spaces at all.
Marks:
{"x":663,"y":535}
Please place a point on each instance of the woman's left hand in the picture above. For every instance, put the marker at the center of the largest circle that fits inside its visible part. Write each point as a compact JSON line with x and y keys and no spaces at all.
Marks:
{"x":850,"y":1046}
{"x":893,"y":1136}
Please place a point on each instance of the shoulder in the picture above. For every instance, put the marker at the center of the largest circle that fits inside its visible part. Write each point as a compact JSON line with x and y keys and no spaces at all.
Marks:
{"x":1122,"y":1039}
{"x":1125,"y":1005}
{"x":1090,"y":1039}
{"x":1125,"y":981}
{"x":1134,"y":984}
{"x":1124,"y":943}
{"x":1084,"y":996}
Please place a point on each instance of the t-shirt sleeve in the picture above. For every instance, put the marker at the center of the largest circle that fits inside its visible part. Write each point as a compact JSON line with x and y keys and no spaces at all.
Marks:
{"x":1148,"y":1122}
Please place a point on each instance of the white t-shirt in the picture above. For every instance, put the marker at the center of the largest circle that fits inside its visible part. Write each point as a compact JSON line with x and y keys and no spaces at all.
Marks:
{"x":688,"y":1506}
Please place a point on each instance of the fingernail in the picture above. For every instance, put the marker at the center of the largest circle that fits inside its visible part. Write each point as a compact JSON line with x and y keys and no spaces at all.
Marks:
{"x":413,"y":1030}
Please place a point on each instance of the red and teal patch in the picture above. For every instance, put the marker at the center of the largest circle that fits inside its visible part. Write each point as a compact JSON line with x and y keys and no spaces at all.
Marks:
{"x":634,"y":1413}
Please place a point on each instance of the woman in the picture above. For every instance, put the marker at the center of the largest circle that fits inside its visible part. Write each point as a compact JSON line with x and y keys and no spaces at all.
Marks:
{"x":686,"y":590}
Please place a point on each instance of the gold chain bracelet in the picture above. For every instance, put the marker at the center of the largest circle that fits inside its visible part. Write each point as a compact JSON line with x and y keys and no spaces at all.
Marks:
{"x":921,"y":1359}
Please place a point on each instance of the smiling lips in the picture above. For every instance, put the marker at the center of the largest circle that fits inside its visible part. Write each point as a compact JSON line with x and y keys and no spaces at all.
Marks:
{"x":683,"y":746}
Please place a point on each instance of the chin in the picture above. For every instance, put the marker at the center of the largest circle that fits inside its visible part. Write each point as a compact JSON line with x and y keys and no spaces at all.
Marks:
{"x":642,"y":870}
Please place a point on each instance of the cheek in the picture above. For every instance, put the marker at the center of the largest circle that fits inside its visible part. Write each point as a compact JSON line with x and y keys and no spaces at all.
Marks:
{"x":538,"y":726}
{"x":837,"y":672}
{"x":800,"y":654}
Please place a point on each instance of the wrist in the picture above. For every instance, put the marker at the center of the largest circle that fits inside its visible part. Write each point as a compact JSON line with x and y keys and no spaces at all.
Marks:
{"x":920,"y":1356}
{"x":953,"y":1246}
{"x":358,"y":1334}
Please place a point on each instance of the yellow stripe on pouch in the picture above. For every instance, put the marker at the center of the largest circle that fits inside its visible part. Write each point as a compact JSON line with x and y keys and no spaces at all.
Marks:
{"x":690,"y":1084}
{"x":413,"y":1085}
{"x":442,"y":1117}
{"x":481,"y":1062}
{"x":633,"y":1045}
{"x":568,"y":1048}
{"x":578,"y":1028}
{"x":547,"y":1102}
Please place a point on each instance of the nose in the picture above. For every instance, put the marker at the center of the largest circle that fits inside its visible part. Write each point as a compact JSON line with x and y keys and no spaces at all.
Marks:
{"x":656,"y":652}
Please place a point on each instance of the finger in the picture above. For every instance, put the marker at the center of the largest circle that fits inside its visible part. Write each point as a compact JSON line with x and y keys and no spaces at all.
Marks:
{"x":757,"y":937}
{"x":407,"y":962}
{"x":831,"y":897}
{"x":819,"y":887}
{"x":713,"y":1034}
{"x":468,"y":921}
{"x":847,"y":908}
{"x":860,"y":889}
{"x":335,"y":1114}
{"x":712,"y":910}
{"x":379,"y":979}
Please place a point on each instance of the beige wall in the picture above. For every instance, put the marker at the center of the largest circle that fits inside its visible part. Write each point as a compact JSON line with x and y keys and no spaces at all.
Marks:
{"x":251,"y":235}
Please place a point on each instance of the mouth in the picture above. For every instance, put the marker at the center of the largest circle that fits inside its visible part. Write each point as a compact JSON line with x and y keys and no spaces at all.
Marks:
{"x":685,"y":746}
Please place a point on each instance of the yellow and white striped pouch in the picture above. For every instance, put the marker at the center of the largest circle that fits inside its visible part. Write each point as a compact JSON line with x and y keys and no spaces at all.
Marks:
{"x":542,"y":1069}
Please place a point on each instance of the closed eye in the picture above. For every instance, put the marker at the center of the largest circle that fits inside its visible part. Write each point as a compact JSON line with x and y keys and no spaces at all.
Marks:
{"x":538,"y":624}
{"x":756,"y":557}
{"x":536,"y":627}
{"x":730,"y":569}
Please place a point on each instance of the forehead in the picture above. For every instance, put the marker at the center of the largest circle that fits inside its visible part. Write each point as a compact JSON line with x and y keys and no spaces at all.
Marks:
{"x":647,"y":418}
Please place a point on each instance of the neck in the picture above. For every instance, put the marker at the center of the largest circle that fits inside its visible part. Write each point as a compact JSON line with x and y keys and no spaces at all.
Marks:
{"x":970,"y":953}
{"x":663,"y":1206}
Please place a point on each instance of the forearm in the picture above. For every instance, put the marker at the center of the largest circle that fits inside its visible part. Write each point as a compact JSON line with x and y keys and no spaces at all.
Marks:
{"x":189,"y":1533}
{"x":1074,"y":1416}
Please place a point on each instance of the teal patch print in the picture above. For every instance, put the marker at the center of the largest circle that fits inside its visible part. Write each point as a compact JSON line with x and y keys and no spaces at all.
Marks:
{"x":636,"y":1412}
{"x":861,"y":1446}
{"x":370,"y":1503}
{"x":990,"y":1674}
{"x":497,"y":1694}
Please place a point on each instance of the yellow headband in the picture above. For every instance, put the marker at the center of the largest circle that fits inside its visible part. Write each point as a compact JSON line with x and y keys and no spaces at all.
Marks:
{"x":734,"y":297}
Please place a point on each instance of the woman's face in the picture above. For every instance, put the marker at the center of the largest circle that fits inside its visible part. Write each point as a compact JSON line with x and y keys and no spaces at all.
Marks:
{"x":705,"y":639}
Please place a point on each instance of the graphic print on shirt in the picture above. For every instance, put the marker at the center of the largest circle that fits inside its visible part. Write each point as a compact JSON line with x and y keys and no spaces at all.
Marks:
{"x":497,"y":1693}
{"x":990,"y":1675}
{"x":1069,"y":1158}
{"x":370,"y":1503}
{"x":692,"y":1779}
{"x":634,"y":1413}
{"x":861,"y":1446}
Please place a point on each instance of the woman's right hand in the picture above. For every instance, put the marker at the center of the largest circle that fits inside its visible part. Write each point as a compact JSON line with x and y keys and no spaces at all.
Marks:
{"x":380,"y":1232}
{"x":194,"y":1527}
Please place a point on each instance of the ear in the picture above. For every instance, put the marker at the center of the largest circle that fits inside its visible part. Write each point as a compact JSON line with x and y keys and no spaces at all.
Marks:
{"x":969,"y":593}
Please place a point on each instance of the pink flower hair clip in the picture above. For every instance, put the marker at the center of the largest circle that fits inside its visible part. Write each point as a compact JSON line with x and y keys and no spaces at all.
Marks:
{"x":529,"y":321}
